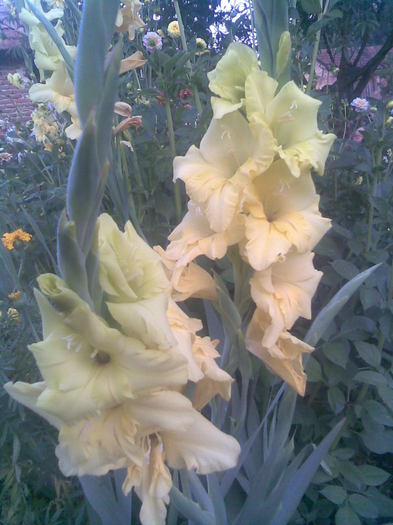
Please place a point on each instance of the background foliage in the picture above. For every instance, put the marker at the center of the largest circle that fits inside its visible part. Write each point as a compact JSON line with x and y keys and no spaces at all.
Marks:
{"x":350,"y":372}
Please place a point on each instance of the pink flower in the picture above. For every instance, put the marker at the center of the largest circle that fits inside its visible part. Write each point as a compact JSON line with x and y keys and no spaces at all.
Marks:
{"x":357,"y":136}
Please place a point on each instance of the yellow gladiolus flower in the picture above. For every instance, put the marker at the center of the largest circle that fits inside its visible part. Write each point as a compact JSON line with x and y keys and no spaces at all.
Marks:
{"x":135,"y":283}
{"x":284,"y":291}
{"x":284,"y":358}
{"x":231,"y":154}
{"x":88,"y":366}
{"x":47,"y":56}
{"x":141,"y":435}
{"x":280,"y":215}
{"x":194,"y":237}
{"x":59,"y":91}
{"x":200,"y":353}
{"x":290,"y":115}
{"x":228,"y":79}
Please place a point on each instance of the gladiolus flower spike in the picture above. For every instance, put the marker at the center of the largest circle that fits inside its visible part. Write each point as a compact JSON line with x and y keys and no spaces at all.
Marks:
{"x":250,"y":185}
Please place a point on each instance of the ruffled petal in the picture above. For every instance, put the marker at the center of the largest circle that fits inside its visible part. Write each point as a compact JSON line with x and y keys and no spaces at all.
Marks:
{"x":284,"y":358}
{"x":284,"y":291}
{"x":202,"y":447}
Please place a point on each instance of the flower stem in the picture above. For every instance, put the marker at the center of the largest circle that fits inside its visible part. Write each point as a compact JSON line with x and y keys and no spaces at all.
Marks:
{"x":172,"y":143}
{"x":315,"y":51}
{"x":185,"y":48}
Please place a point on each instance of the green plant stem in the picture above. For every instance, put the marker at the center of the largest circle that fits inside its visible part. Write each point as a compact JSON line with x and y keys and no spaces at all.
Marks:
{"x":185,"y":48}
{"x":171,"y":133}
{"x":315,"y":51}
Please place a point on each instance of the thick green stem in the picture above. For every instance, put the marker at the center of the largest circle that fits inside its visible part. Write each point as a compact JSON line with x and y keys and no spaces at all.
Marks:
{"x":314,"y":60}
{"x":185,"y":48}
{"x":171,"y":133}
{"x":315,"y":52}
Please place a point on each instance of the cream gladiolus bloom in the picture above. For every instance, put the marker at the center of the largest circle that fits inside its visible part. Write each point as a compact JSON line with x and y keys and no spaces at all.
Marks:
{"x":280,"y":216}
{"x":231,"y":154}
{"x":290,"y":115}
{"x":46,"y":53}
{"x":134,"y":280}
{"x":88,"y":366}
{"x":228,"y":79}
{"x":142,"y":435}
{"x":284,"y":358}
{"x":59,"y":91}
{"x":128,"y":18}
{"x":284,"y":291}
{"x":194,"y":237}
{"x":201,"y":355}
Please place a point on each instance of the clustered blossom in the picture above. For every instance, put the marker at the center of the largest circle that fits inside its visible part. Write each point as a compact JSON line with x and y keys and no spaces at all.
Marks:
{"x":15,"y":80}
{"x":9,"y":238}
{"x":113,"y":387}
{"x":360,"y":104}
{"x":152,"y":41}
{"x":58,"y":89}
{"x":250,"y":185}
{"x":45,"y":127}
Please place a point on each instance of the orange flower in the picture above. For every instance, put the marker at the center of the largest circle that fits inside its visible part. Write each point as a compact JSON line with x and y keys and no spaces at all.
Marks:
{"x":9,"y":239}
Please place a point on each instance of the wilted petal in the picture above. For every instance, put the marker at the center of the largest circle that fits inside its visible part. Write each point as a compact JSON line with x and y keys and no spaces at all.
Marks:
{"x":215,"y":380}
{"x":187,"y":281}
{"x":284,"y":358}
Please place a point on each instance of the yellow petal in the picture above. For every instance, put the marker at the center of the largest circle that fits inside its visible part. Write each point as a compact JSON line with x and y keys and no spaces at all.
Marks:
{"x":284,"y":291}
{"x":27,"y":394}
{"x":260,"y":89}
{"x":229,"y":77}
{"x":284,"y":358}
{"x":202,"y":447}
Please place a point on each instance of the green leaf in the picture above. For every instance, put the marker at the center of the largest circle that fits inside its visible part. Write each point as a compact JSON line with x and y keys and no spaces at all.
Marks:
{"x":312,"y":7}
{"x":337,"y":352}
{"x":370,"y":378}
{"x":189,"y":509}
{"x":336,"y":399}
{"x":368,"y":353}
{"x":327,"y":314}
{"x":313,"y":369}
{"x":378,"y":412}
{"x":386,"y":394}
{"x":334,"y":493}
{"x":377,"y":440}
{"x":363,"y":506}
{"x":346,"y":516}
{"x":302,"y":478}
{"x":105,"y":499}
{"x":98,"y":18}
{"x":373,"y":476}
{"x":345,"y":269}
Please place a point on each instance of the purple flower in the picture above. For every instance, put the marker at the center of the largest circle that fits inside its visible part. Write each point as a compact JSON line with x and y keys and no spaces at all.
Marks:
{"x":152,"y":41}
{"x":360,"y":104}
